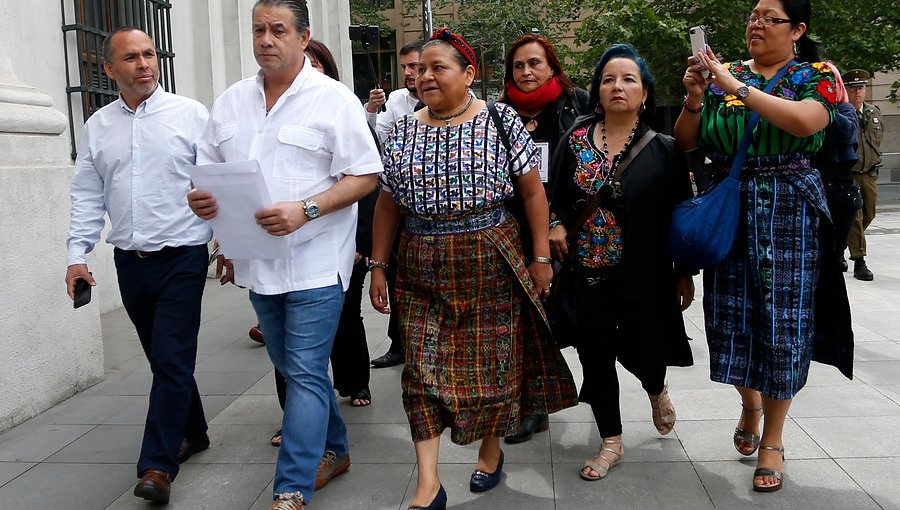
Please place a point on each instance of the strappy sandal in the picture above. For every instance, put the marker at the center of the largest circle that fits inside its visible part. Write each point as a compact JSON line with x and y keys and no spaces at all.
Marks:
{"x":774,"y":473}
{"x":595,"y":463}
{"x":276,"y":439}
{"x":664,"y":422}
{"x":745,"y":435}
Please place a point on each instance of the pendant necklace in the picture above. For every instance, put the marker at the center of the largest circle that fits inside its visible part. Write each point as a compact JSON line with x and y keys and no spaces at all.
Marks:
{"x":530,"y":121}
{"x":448,"y":118}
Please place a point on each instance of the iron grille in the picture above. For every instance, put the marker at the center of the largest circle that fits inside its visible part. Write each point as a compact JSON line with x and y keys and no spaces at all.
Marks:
{"x":93,"y":21}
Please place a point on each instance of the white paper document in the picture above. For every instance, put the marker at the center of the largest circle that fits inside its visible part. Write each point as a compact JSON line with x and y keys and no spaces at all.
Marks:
{"x":240,"y":191}
{"x":544,"y":169}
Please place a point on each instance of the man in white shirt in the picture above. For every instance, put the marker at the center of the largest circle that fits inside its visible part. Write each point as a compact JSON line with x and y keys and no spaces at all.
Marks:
{"x":401,"y":101}
{"x":317,"y":155}
{"x":129,"y":168}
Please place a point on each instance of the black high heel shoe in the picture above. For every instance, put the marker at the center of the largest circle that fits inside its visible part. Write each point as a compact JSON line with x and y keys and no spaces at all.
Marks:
{"x":438,"y":503}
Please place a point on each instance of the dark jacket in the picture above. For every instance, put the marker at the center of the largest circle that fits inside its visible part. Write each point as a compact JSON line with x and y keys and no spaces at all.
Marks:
{"x":655,"y":181}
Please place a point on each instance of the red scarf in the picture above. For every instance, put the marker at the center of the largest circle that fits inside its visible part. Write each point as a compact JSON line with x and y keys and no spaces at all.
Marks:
{"x":536,"y":100}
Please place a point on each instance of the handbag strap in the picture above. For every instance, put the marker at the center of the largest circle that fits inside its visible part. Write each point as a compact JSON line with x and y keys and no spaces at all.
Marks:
{"x":501,"y":130}
{"x":741,"y":155}
{"x":594,"y":201}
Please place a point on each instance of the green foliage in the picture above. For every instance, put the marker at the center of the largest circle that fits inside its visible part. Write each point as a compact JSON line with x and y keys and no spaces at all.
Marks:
{"x":368,"y":12}
{"x":862,"y":35}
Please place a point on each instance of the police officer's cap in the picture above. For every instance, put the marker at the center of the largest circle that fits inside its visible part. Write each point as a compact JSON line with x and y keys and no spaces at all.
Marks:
{"x":856,"y":78}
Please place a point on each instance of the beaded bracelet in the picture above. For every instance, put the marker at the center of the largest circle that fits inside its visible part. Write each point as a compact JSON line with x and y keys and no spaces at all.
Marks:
{"x":555,"y":223}
{"x":374,"y":264}
{"x":542,"y":260}
{"x":691,"y":109}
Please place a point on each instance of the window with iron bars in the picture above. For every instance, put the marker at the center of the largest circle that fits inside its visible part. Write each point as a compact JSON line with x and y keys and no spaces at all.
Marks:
{"x":85,"y":27}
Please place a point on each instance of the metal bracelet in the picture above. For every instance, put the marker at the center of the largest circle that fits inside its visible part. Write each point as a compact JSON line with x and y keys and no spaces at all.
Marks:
{"x":373,"y":264}
{"x":542,"y":260}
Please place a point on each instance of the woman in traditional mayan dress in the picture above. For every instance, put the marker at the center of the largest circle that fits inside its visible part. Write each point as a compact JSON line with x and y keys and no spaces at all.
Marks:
{"x":464,"y":293}
{"x":766,"y":305}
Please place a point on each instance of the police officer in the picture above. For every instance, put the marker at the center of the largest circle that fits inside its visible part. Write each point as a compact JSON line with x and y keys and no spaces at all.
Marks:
{"x":865,"y":172}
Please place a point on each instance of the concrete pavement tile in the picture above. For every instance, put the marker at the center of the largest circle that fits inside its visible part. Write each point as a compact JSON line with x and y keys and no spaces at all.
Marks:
{"x":251,"y":410}
{"x":877,"y":351}
{"x":718,"y":402}
{"x":578,"y":414}
{"x":115,"y":323}
{"x":387,"y":403}
{"x":538,"y":449}
{"x":208,"y":487}
{"x":252,"y":361}
{"x":239,"y":444}
{"x":861,"y":332}
{"x":854,"y":400}
{"x":523,"y":487}
{"x":34,"y":442}
{"x":365,"y":487}
{"x":120,"y":444}
{"x":688,"y":378}
{"x":124,"y":383}
{"x":264,"y":386}
{"x":878,"y":477}
{"x":10,"y":470}
{"x":826,"y":375}
{"x":112,"y":362}
{"x":712,"y":440}
{"x":853,"y":437}
{"x":226,"y":383}
{"x":381,"y":443}
{"x":819,"y":484}
{"x":84,"y":410}
{"x":642,"y":485}
{"x":891,"y":391}
{"x":136,"y":413}
{"x":69,"y":486}
{"x":575,"y":442}
{"x":877,"y":373}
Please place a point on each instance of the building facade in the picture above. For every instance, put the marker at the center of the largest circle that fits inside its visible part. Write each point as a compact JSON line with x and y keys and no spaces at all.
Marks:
{"x":50,"y":79}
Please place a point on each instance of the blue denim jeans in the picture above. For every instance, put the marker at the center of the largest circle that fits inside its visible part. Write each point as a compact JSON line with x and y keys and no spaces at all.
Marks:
{"x":299,"y":329}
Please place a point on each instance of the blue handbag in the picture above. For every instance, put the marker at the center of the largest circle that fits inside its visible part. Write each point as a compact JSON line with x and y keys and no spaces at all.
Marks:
{"x":703,"y":228}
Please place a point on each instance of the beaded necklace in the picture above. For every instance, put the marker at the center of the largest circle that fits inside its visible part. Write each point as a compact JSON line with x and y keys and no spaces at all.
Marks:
{"x":605,"y":149}
{"x":448,"y":118}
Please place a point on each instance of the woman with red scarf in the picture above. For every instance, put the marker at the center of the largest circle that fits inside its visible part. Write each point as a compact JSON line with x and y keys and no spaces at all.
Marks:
{"x":548,"y":104}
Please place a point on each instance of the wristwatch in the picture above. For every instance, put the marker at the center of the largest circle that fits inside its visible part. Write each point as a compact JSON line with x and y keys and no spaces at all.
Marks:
{"x":742,"y":92}
{"x":311,"y":209}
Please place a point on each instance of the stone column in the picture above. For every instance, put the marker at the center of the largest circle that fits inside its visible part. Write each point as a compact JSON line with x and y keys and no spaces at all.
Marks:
{"x":50,"y":351}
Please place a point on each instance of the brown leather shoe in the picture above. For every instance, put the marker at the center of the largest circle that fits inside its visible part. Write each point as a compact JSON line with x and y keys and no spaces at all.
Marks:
{"x":154,"y":486}
{"x":192,"y":446}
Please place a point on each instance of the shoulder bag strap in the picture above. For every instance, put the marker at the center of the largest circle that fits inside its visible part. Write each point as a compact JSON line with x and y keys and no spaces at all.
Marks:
{"x":741,"y":155}
{"x":594,"y":201}
{"x":501,"y":130}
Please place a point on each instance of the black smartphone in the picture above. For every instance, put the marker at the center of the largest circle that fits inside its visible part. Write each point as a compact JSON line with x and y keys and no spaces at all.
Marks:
{"x":82,"y":293}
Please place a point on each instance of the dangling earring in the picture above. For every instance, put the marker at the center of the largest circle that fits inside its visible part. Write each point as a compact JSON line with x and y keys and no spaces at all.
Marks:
{"x":599,"y":110}
{"x":643,"y":107}
{"x":795,"y":48}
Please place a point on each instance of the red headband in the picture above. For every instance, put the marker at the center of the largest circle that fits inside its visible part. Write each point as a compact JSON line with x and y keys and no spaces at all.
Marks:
{"x":457,"y":42}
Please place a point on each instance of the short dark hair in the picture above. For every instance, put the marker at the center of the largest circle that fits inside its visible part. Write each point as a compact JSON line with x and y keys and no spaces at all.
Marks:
{"x":106,"y":47}
{"x":648,"y":81}
{"x":324,"y":56}
{"x":298,"y":7}
{"x":412,"y":47}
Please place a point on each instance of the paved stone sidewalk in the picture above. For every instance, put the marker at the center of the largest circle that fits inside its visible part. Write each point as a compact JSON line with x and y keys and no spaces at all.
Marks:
{"x":841,"y":436}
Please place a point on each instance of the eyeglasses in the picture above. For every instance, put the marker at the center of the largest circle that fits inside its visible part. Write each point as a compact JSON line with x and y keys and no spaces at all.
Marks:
{"x":765,"y":21}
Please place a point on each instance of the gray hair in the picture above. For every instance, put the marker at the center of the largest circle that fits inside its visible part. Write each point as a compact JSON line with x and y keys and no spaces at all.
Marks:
{"x":298,"y":7}
{"x":106,"y":47}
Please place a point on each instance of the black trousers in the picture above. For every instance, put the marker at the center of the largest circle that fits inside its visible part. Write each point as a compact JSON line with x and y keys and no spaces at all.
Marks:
{"x":604,"y":338}
{"x":350,"y":353}
{"x":162,"y":295}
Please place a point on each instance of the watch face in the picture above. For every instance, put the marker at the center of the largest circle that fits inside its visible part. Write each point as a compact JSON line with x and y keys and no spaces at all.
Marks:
{"x":743,"y":92}
{"x":312,"y":210}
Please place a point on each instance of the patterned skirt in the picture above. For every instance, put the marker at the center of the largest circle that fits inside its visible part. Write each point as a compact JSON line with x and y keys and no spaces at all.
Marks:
{"x":759,"y":302}
{"x":479,"y":354}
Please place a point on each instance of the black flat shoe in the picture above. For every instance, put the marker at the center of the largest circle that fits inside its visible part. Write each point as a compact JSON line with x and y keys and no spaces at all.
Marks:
{"x":388,"y":360}
{"x":438,"y":503}
{"x":483,"y":482}
{"x":530,"y":424}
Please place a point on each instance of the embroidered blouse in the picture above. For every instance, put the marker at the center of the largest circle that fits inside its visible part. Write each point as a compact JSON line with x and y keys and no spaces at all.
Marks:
{"x":724,"y":116}
{"x":453,"y":170}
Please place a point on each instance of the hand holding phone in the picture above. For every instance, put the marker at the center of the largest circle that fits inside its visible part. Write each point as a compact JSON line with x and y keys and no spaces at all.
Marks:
{"x":698,"y":44}
{"x":82,"y":293}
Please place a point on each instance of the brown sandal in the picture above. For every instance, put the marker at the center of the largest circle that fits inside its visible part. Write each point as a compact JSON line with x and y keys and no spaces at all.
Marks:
{"x":745,"y":435}
{"x":595,"y":462}
{"x":664,"y":422}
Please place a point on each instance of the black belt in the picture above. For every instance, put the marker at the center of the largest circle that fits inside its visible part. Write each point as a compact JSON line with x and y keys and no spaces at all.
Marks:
{"x":142,"y":254}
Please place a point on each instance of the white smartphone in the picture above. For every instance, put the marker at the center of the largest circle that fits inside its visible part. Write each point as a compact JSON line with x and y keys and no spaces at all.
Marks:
{"x":698,"y":44}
